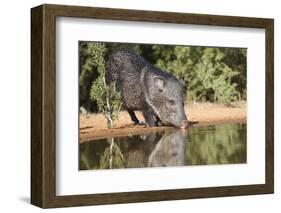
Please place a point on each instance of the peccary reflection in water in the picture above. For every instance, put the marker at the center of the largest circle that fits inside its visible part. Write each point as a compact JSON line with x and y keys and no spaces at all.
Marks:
{"x":150,"y":150}
{"x":168,"y":150}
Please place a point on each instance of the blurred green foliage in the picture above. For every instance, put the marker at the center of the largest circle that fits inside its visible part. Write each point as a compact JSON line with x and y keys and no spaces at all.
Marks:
{"x":219,"y":144}
{"x":211,"y":74}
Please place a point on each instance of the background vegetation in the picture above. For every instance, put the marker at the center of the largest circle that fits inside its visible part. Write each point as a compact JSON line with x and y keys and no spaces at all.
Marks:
{"x":210,"y":73}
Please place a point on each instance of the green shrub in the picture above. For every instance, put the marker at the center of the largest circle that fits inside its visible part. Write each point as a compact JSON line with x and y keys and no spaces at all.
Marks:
{"x":107,"y":98}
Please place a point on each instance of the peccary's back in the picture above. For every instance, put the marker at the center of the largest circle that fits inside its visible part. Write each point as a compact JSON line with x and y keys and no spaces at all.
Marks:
{"x":124,"y":67}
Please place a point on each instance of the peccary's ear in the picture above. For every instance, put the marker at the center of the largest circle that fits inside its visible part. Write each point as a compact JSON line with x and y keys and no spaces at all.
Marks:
{"x":159,"y":83}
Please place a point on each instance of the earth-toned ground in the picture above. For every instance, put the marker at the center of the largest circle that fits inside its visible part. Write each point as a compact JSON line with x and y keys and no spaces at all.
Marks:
{"x":94,"y":126}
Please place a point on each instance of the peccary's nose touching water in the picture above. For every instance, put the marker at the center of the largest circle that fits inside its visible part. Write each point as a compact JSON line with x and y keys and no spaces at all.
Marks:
{"x":143,"y":87}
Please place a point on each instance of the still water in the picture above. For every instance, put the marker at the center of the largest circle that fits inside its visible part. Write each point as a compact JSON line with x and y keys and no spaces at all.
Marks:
{"x":219,"y":144}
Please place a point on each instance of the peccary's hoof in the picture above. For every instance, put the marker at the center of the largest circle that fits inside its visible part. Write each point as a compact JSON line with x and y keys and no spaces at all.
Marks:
{"x":142,"y":123}
{"x":159,"y":123}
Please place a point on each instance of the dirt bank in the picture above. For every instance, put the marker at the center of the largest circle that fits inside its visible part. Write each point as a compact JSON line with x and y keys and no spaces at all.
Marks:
{"x":93,"y":126}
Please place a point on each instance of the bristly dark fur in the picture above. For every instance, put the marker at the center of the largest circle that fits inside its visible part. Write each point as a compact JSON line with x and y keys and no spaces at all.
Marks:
{"x":136,"y":79}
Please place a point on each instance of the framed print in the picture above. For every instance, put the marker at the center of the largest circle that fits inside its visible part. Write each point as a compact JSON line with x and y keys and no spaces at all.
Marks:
{"x":136,"y":106}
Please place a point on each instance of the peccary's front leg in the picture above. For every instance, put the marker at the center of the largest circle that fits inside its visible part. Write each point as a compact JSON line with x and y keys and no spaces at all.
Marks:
{"x":149,"y":118}
{"x":133,"y":116}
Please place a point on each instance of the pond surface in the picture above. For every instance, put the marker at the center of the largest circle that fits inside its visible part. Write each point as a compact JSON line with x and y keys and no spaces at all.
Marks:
{"x":219,"y":144}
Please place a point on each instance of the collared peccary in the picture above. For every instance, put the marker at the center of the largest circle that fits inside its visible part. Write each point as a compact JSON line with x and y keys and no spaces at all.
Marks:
{"x":158,"y":94}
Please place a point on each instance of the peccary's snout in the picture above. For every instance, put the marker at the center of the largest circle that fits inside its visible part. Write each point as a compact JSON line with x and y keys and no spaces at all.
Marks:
{"x":181,"y":122}
{"x":184,"y":124}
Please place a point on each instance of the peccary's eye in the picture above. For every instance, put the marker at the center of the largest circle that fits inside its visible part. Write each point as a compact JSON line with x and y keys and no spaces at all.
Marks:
{"x":160,"y":90}
{"x":171,"y":102}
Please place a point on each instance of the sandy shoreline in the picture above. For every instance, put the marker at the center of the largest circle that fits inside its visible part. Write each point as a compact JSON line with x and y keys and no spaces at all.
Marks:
{"x":93,"y":126}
